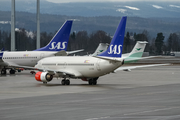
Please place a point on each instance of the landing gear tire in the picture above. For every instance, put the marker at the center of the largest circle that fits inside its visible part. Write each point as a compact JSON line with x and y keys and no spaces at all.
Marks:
{"x":3,"y":72}
{"x":12,"y":71}
{"x":93,"y":81}
{"x":90,"y":81}
{"x":65,"y":82}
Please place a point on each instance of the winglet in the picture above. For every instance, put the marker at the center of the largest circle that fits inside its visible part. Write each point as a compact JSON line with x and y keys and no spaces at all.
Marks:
{"x":60,"y":40}
{"x":116,"y":45}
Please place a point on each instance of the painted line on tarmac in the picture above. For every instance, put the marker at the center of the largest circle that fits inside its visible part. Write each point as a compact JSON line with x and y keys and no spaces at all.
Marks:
{"x":98,"y":118}
{"x":156,"y":110}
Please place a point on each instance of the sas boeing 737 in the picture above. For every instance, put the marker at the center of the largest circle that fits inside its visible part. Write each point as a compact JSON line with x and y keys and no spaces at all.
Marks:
{"x":56,"y":47}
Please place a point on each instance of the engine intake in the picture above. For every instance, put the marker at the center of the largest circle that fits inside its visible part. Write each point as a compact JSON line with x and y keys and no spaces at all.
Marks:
{"x":43,"y":77}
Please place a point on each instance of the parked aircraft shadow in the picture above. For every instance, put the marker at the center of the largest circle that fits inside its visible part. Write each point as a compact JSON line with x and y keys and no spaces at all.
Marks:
{"x":107,"y":86}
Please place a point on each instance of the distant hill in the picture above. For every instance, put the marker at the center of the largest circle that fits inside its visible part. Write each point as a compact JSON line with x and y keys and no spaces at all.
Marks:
{"x":51,"y":23}
{"x":143,"y":9}
{"x":151,"y":16}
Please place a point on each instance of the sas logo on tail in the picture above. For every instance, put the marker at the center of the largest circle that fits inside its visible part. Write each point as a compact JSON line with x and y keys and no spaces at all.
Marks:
{"x":116,"y":49}
{"x":58,"y":45}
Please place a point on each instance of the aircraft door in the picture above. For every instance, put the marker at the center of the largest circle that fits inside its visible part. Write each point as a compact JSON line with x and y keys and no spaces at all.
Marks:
{"x":98,"y":65}
{"x":64,"y":65}
{"x":42,"y":55}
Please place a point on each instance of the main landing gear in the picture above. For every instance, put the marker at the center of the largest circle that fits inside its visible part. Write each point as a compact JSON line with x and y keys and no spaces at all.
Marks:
{"x":65,"y":82}
{"x":11,"y":71}
{"x":93,"y":81}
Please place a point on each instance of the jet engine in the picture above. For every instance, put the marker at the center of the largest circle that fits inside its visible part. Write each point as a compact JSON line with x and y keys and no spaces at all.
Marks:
{"x":43,"y":77}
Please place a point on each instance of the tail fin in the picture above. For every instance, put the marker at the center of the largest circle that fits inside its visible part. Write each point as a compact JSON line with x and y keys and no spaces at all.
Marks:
{"x":138,"y":49}
{"x":1,"y":55}
{"x":60,"y":40}
{"x":116,"y":45}
{"x":100,"y":49}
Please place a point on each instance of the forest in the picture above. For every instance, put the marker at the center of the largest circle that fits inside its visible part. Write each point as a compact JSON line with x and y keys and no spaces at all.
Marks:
{"x":82,"y":40}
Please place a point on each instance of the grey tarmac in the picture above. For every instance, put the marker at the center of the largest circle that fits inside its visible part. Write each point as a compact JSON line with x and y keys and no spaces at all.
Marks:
{"x":142,"y":94}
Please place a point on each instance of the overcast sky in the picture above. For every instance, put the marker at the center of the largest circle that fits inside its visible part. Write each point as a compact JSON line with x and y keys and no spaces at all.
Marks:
{"x":66,"y":1}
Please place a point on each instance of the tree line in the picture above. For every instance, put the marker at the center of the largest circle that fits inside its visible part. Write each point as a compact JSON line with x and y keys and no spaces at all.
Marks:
{"x":89,"y":42}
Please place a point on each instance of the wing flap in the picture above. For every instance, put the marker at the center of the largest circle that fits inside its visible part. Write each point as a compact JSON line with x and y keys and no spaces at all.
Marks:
{"x":128,"y":68}
{"x":138,"y":58}
{"x":68,"y":72}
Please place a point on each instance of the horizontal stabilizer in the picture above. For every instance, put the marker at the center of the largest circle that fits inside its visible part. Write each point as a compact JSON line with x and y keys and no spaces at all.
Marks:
{"x":61,"y":53}
{"x":75,"y":51}
{"x":110,"y":58}
{"x":142,"y":42}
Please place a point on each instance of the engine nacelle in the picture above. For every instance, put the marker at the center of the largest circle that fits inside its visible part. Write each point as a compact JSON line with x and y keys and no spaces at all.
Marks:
{"x":43,"y":77}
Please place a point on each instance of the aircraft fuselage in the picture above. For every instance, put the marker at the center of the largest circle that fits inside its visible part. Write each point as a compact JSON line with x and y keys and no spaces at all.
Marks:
{"x":81,"y":66}
{"x":24,"y":58}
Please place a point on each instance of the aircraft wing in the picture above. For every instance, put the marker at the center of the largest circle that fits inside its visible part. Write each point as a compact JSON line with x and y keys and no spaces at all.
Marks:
{"x":128,"y":68}
{"x":60,"y":72}
{"x":17,"y":66}
{"x":51,"y":71}
{"x":75,"y":51}
{"x":67,"y":72}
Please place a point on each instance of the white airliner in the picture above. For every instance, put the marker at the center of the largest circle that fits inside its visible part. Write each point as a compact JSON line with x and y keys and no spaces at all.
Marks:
{"x":87,"y":68}
{"x":56,"y":47}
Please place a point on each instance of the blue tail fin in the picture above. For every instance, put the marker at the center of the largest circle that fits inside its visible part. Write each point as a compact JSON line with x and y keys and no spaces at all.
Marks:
{"x":1,"y":55}
{"x":60,"y":40}
{"x":116,"y":45}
